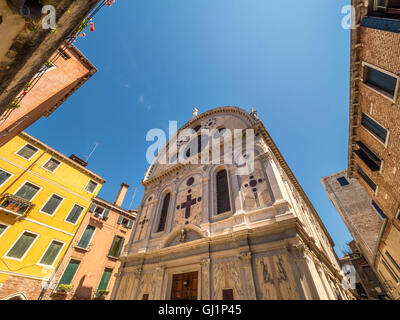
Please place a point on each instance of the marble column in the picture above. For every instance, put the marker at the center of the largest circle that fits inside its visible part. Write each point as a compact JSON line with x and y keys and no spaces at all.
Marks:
{"x":299,"y":254}
{"x":159,"y":282}
{"x":235,"y":196}
{"x":205,"y":279}
{"x":205,"y":213}
{"x":248,"y":285}
{"x":137,"y":273}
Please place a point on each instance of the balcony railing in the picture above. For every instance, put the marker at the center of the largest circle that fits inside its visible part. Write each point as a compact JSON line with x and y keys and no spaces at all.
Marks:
{"x":15,"y":205}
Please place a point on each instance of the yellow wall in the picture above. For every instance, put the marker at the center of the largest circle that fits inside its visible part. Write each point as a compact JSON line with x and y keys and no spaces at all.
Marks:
{"x":67,"y":182}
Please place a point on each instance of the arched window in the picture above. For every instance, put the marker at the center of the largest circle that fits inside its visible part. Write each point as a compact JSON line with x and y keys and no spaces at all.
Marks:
{"x":164,"y":213}
{"x":223,"y":204}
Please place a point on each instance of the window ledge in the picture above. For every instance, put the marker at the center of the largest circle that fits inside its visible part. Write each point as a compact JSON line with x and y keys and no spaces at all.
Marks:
{"x":83,"y":249}
{"x":380,"y":92}
{"x":112,"y":257}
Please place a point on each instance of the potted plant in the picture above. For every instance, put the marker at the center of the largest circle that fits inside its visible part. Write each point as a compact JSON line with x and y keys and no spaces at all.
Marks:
{"x":101,"y":294}
{"x":64,"y":288}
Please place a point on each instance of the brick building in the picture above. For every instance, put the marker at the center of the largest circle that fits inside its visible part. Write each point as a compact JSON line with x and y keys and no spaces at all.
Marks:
{"x":374,"y":132}
{"x":90,"y":264}
{"x":361,"y":276}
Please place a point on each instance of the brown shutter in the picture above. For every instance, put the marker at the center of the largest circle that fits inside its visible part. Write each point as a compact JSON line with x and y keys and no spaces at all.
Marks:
{"x":223,"y":204}
{"x":164,"y":213}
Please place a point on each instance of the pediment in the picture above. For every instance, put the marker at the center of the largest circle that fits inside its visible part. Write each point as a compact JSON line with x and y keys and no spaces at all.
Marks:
{"x":181,"y":236}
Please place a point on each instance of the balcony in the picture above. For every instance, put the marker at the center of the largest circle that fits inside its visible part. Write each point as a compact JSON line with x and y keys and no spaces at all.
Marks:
{"x":15,"y":205}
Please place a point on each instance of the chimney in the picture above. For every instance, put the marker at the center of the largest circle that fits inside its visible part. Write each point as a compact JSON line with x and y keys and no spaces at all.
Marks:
{"x":121,"y":194}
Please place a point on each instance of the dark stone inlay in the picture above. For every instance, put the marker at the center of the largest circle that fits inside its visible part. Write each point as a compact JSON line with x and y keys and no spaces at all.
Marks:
{"x":190,"y":181}
{"x":253,"y":183}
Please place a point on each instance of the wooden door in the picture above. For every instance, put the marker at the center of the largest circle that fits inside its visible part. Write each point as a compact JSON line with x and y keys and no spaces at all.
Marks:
{"x":184,"y":286}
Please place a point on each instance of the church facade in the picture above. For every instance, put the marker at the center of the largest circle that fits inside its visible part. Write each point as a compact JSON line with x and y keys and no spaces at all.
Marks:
{"x":210,"y":232}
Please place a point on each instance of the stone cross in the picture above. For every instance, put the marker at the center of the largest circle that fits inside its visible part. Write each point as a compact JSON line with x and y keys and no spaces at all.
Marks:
{"x":187,"y":205}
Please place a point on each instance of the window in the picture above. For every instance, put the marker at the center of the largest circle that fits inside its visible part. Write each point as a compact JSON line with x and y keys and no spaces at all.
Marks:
{"x":86,"y":237}
{"x":69,"y":272}
{"x":360,"y":290}
{"x":27,"y":151}
{"x":343,"y":181}
{"x":52,"y":164}
{"x":63,"y":54}
{"x":196,"y":145}
{"x":393,"y":261}
{"x":51,"y":253}
{"x":164,"y":213}
{"x":223,"y":204}
{"x":390,"y":271}
{"x":389,"y":6}
{"x":373,"y":127}
{"x":116,"y":247}
{"x":105,"y":279}
{"x":3,"y":228}
{"x":381,"y":81}
{"x":27,"y":191}
{"x":73,"y":216}
{"x":125,"y":222}
{"x":4,"y":176}
{"x":368,"y":157}
{"x":378,"y":209}
{"x":367,"y":179}
{"x":227,"y":294}
{"x":52,"y":204}
{"x":21,"y":247}
{"x":91,"y":186}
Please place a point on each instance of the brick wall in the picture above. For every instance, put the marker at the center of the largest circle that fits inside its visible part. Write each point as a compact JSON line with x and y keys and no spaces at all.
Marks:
{"x":30,"y":288}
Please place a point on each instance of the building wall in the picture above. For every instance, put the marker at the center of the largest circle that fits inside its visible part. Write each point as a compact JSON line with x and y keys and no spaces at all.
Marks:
{"x":68,"y":182}
{"x":380,"y":49}
{"x":53,"y":87}
{"x":94,"y":260}
{"x":356,"y":210}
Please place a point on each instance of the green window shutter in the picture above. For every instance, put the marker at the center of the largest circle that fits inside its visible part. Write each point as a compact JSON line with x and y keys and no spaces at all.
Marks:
{"x":3,"y":176}
{"x":110,"y":253}
{"x":121,"y":217}
{"x":92,"y":207}
{"x":121,"y":245}
{"x":86,"y":237}
{"x":22,"y":245}
{"x":74,"y":214}
{"x":27,"y":191}
{"x":105,"y":279}
{"x":105,"y":214}
{"x":69,"y":272}
{"x":52,"y":204}
{"x":130,"y":224}
{"x":51,"y":253}
{"x":2,"y":228}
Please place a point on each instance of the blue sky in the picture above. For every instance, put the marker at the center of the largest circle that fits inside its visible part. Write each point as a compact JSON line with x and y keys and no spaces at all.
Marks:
{"x":158,"y":59}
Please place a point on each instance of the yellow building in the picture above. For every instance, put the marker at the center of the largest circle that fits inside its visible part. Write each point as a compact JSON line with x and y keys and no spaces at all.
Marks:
{"x":44,"y":196}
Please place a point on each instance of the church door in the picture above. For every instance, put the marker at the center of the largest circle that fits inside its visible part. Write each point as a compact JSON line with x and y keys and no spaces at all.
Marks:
{"x":184,"y":286}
